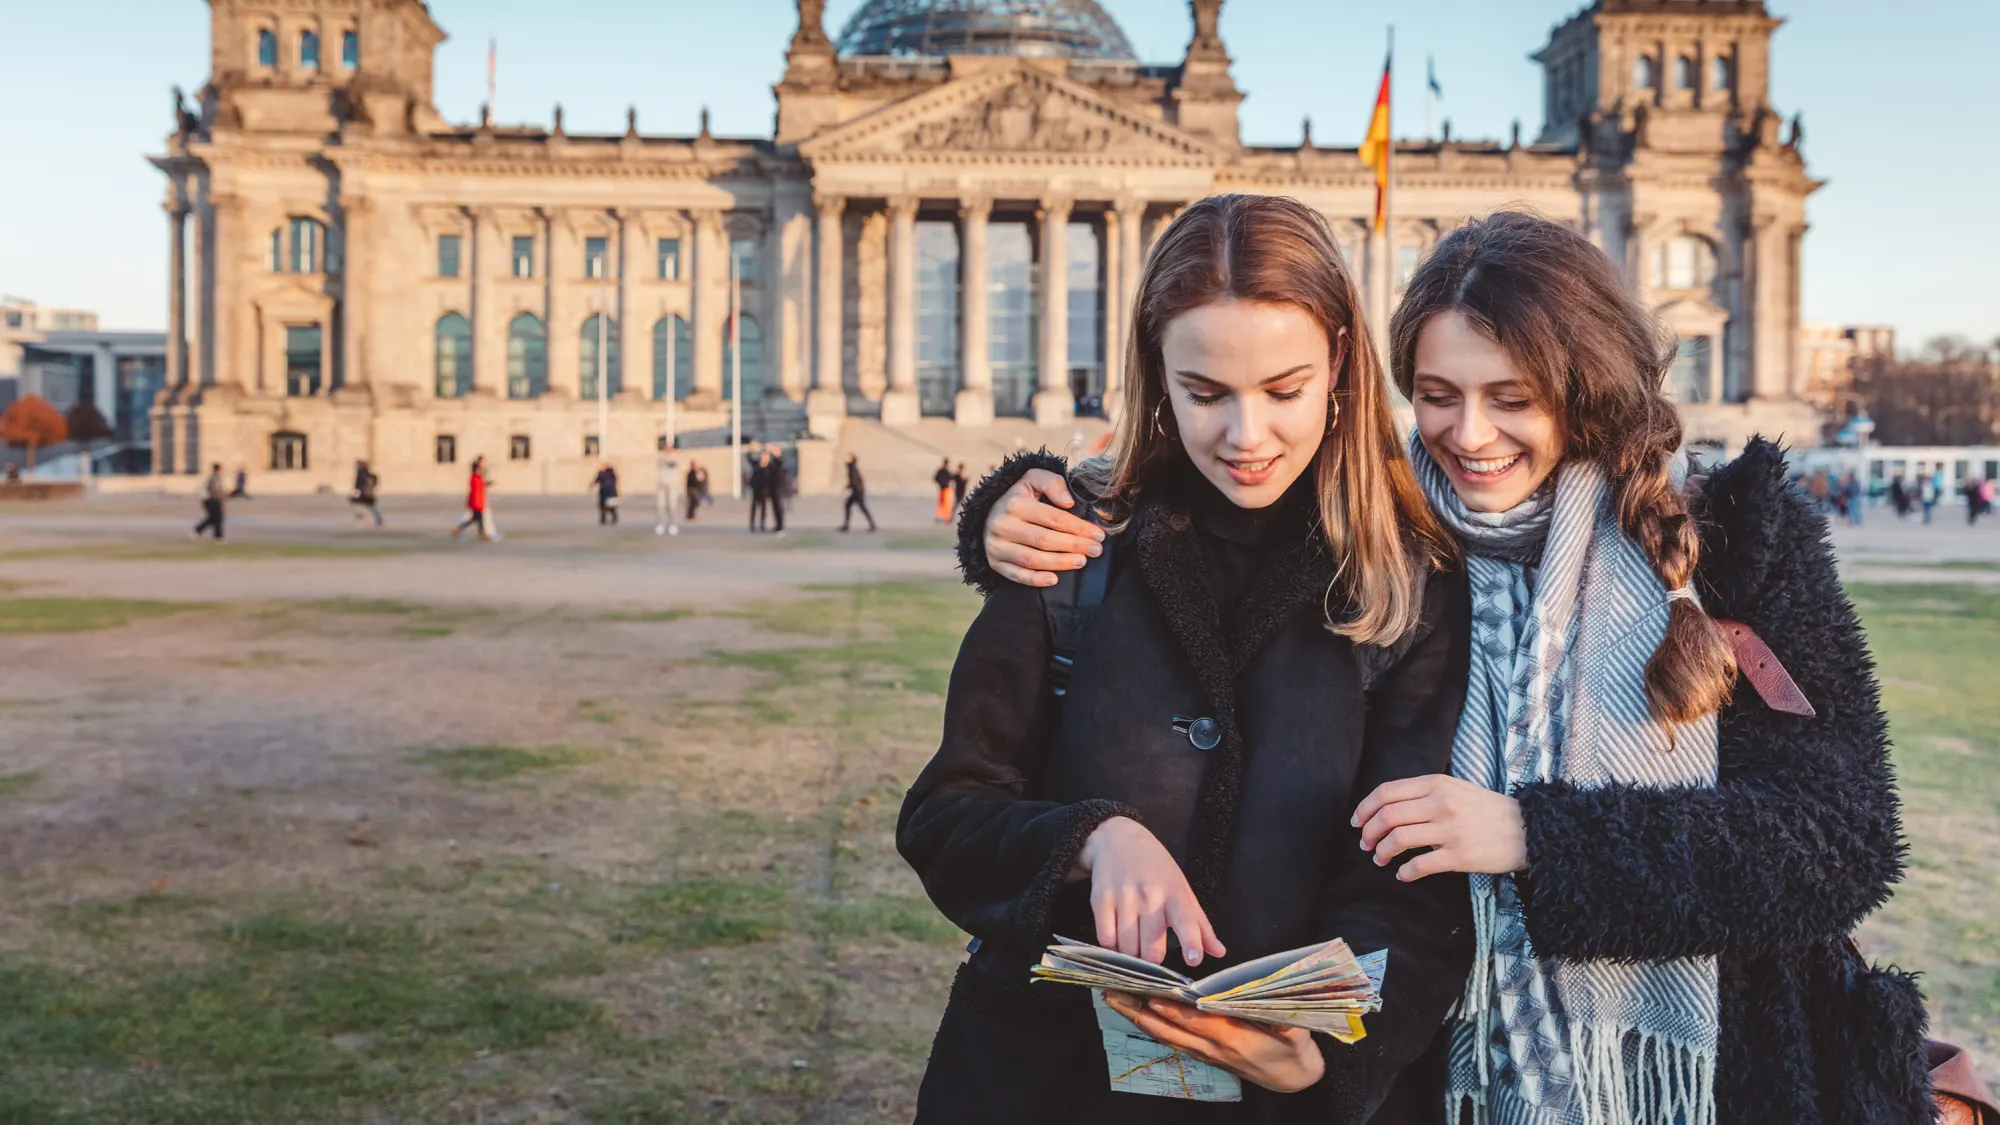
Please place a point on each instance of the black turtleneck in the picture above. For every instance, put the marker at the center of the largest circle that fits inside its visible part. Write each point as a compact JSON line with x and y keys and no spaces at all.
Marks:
{"x":1235,"y":541}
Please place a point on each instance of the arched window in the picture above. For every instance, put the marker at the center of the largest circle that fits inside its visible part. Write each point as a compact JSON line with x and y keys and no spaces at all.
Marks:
{"x":1684,"y":72}
{"x":267,"y":49}
{"x":299,"y":247}
{"x":588,"y":363}
{"x":454,"y":356}
{"x":350,"y":49}
{"x":527,"y":357}
{"x":673,"y":353}
{"x":753,"y":361}
{"x":1685,"y":261}
{"x":309,"y":49}
{"x":1642,"y":72}
{"x":1718,"y":72}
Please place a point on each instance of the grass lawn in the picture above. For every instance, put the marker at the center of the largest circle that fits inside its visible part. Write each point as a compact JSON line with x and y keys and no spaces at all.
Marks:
{"x":671,"y":895}
{"x":1937,"y":652}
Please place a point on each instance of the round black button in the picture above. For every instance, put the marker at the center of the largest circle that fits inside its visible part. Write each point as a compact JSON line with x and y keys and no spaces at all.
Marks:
{"x":1206,"y":734}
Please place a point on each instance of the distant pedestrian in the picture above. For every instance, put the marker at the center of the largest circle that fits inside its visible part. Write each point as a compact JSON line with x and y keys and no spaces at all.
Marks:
{"x":242,"y":489}
{"x":667,"y":481}
{"x":213,"y":492}
{"x":857,"y":496}
{"x":760,"y":492}
{"x":1899,"y":497}
{"x":1989,"y":491}
{"x":1856,"y":496}
{"x":475,"y":503}
{"x":13,"y":473}
{"x":958,"y":488}
{"x":943,"y":480}
{"x":697,"y":488}
{"x":779,"y":482}
{"x":606,"y":483}
{"x":363,"y":496}
{"x":1930,"y":488}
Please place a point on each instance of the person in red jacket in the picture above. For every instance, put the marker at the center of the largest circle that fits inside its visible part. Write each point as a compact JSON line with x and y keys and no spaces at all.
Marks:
{"x":475,"y":502}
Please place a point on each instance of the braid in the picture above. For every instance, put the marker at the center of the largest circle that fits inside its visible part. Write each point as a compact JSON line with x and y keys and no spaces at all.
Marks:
{"x":1692,"y":671}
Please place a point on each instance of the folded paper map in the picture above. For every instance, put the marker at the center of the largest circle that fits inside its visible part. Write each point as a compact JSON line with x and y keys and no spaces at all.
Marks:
{"x":1322,"y":987}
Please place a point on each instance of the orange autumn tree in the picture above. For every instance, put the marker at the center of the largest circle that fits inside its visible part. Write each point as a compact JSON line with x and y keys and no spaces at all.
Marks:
{"x":32,"y":422}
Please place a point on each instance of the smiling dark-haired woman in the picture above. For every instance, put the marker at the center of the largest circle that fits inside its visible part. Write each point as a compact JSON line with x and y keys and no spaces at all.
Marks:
{"x":1666,"y":860}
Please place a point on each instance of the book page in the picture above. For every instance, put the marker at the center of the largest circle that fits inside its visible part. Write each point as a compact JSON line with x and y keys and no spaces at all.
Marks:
{"x":1140,"y":1064}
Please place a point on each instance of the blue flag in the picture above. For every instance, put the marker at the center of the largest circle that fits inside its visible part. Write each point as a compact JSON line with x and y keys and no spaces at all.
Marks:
{"x":1430,"y":76}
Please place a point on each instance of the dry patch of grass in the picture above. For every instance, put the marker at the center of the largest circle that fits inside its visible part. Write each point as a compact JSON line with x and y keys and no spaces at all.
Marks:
{"x":82,"y":615}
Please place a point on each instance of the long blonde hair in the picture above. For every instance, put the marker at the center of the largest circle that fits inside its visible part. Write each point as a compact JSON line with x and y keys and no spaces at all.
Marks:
{"x":1379,"y":531}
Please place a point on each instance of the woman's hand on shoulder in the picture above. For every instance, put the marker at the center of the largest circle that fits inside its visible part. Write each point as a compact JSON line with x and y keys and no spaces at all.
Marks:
{"x":1468,"y":827}
{"x":1284,"y":1059}
{"x":1028,"y":535}
{"x":1138,"y":893}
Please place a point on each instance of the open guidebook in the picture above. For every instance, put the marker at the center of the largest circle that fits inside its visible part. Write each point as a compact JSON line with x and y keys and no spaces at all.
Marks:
{"x":1322,"y":988}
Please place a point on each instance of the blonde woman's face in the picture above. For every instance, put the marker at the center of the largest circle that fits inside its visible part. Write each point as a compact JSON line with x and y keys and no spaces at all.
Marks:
{"x":1248,"y":383}
{"x":1477,"y":419}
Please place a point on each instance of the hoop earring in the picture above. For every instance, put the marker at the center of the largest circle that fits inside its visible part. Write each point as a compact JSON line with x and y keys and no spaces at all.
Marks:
{"x":1159,"y":427}
{"x":1332,"y":414}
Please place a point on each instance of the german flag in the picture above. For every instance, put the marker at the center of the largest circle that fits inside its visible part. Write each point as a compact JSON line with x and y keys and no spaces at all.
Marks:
{"x":1375,"y":148}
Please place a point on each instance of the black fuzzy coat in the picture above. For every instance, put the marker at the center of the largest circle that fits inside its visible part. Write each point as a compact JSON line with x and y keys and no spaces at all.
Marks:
{"x":1770,"y":870}
{"x":1310,"y":724}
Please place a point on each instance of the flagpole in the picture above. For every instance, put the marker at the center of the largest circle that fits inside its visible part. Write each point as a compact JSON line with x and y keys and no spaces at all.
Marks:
{"x":603,"y":362}
{"x":1389,"y":204}
{"x":735,"y":380}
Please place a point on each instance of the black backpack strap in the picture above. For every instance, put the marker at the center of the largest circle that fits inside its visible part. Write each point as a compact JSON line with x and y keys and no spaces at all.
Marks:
{"x":1068,"y":605}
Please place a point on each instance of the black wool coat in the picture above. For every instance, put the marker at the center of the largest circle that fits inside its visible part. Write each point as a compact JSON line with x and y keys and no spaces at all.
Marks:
{"x":1770,"y":870}
{"x":1311,"y":723}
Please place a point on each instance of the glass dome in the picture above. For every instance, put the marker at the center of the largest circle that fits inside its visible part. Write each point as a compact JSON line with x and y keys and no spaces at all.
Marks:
{"x":1049,"y":28}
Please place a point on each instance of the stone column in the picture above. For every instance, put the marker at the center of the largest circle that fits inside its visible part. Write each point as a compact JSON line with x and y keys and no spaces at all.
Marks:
{"x":827,"y":404}
{"x":1113,"y":341}
{"x":489,"y":319}
{"x":564,"y":302}
{"x":201,"y":343}
{"x":793,"y":293}
{"x":974,"y":406}
{"x":1132,"y":254}
{"x":232,"y":350}
{"x":355,"y":228}
{"x":899,"y":403}
{"x":1054,"y":404}
{"x":711,"y":308}
{"x":177,"y":372}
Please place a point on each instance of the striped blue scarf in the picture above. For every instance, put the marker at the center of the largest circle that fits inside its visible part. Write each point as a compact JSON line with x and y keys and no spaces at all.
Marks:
{"x":1566,"y":611}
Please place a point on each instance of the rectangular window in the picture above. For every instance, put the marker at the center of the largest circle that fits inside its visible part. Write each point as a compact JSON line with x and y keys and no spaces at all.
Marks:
{"x":1687,"y":379}
{"x":302,"y":360}
{"x":1407,"y":258}
{"x":524,"y":255}
{"x":1992,"y":469}
{"x":593,"y":257}
{"x":447,"y":449}
{"x":590,"y":445}
{"x":288,"y":451}
{"x":670,"y":259}
{"x":309,"y":50}
{"x":448,"y":246}
{"x":743,"y":251}
{"x":350,"y":49}
{"x":518,"y":448}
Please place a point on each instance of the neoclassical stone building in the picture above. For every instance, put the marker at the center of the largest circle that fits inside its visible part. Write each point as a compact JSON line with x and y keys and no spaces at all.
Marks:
{"x":354,"y":276}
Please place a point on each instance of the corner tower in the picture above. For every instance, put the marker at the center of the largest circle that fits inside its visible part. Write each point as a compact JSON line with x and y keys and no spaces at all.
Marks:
{"x":320,"y":66}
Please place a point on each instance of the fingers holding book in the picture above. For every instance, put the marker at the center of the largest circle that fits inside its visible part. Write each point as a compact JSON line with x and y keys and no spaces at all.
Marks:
{"x":1284,"y":1059}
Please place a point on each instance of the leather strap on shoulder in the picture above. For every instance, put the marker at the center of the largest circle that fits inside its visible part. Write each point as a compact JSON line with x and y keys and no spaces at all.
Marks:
{"x":1761,"y":667}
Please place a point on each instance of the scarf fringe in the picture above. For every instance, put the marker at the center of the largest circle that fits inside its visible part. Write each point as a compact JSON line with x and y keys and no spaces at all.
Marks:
{"x":1670,"y":1083}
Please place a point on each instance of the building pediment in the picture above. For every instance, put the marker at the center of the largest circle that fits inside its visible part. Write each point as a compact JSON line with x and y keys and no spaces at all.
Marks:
{"x":1008,"y":113}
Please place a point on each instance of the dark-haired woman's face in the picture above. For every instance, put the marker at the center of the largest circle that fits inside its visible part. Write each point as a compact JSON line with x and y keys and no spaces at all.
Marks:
{"x":1248,"y":382}
{"x":1477,"y":419}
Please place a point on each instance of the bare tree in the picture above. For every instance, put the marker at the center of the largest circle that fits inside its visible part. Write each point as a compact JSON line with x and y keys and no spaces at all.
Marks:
{"x":1949,"y":395}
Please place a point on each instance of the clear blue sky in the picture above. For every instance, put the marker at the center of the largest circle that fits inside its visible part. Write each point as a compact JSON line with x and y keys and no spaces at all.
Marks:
{"x":1902,"y":105}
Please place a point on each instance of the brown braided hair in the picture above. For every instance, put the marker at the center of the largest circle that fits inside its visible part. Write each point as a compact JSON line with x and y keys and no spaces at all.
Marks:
{"x":1590,"y":354}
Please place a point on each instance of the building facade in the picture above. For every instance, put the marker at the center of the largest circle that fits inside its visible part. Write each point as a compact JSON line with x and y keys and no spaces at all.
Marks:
{"x":947,"y":222}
